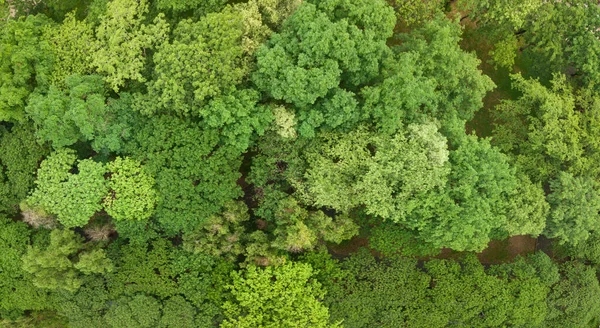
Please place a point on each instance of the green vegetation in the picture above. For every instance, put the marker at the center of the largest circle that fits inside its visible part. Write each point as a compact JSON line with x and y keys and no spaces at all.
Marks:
{"x":289,"y":163}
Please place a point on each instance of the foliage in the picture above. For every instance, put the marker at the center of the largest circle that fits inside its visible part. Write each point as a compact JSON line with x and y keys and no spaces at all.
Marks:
{"x":71,"y":44}
{"x":17,"y":291}
{"x":73,"y":198}
{"x":282,"y":296}
{"x":25,"y":63}
{"x":575,"y":205}
{"x":221,"y":235}
{"x":386,"y":174}
{"x":122,"y":39}
{"x":83,"y":113}
{"x":221,"y":44}
{"x":573,"y":301}
{"x":394,"y":292}
{"x":564,"y":38}
{"x":18,"y":163}
{"x":459,"y":85}
{"x":541,"y":129}
{"x":416,"y":12}
{"x":323,"y":51}
{"x":53,"y":267}
{"x":132,"y":191}
{"x":194,"y":176}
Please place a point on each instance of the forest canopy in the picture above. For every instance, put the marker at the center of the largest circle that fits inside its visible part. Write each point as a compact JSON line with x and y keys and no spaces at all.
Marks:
{"x":299,"y":163}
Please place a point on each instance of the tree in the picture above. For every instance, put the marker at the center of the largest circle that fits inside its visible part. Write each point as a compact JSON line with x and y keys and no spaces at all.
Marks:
{"x":386,"y":174}
{"x":53,"y":267}
{"x":73,"y":198}
{"x":364,"y":291}
{"x":71,"y":44}
{"x":201,"y":6}
{"x":221,"y":44}
{"x":140,"y":311}
{"x":221,"y":235}
{"x":527,"y":209}
{"x":575,"y":208}
{"x":414,"y":13}
{"x":542,"y":129}
{"x":25,"y":63}
{"x":122,"y":39}
{"x":459,"y":85}
{"x":82,"y":113}
{"x":132,"y":191}
{"x":282,"y":296}
{"x":323,"y":52}
{"x":17,"y":291}
{"x":563,"y":37}
{"x":194,"y":175}
{"x":18,"y":163}
{"x":294,"y":229}
{"x":573,"y":301}
{"x":472,"y":207}
{"x":159,"y":270}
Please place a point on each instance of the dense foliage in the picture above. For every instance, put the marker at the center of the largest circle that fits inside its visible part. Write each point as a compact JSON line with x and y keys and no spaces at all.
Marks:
{"x":299,"y":163}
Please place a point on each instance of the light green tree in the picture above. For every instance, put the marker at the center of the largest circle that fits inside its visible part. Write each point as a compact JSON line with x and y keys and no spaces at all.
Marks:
{"x":73,"y":198}
{"x":281,"y":296}
{"x":132,"y":195}
{"x":122,"y":40}
{"x":57,"y":266}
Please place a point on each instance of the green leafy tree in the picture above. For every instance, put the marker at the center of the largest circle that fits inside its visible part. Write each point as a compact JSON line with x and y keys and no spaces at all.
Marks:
{"x":563,"y":37}
{"x":18,"y":163}
{"x":466,"y":214}
{"x":140,"y":311}
{"x":542,"y":129}
{"x":82,"y":113}
{"x":202,"y":6}
{"x":17,"y":291}
{"x":323,"y":51}
{"x":575,"y":208}
{"x":527,"y":209}
{"x":73,"y":198}
{"x":294,"y":229}
{"x":25,"y":63}
{"x":221,"y":44}
{"x":282,"y":296}
{"x":574,"y":300}
{"x":386,"y":174}
{"x":178,"y":313}
{"x":194,"y":176}
{"x":122,"y":39}
{"x":221,"y":235}
{"x":413,"y":13}
{"x":132,"y":191}
{"x":162,"y":271}
{"x":459,"y":85}
{"x":71,"y":44}
{"x":53,"y":267}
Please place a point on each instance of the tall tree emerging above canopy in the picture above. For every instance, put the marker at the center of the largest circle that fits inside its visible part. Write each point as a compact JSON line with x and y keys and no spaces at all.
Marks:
{"x":324,"y":51}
